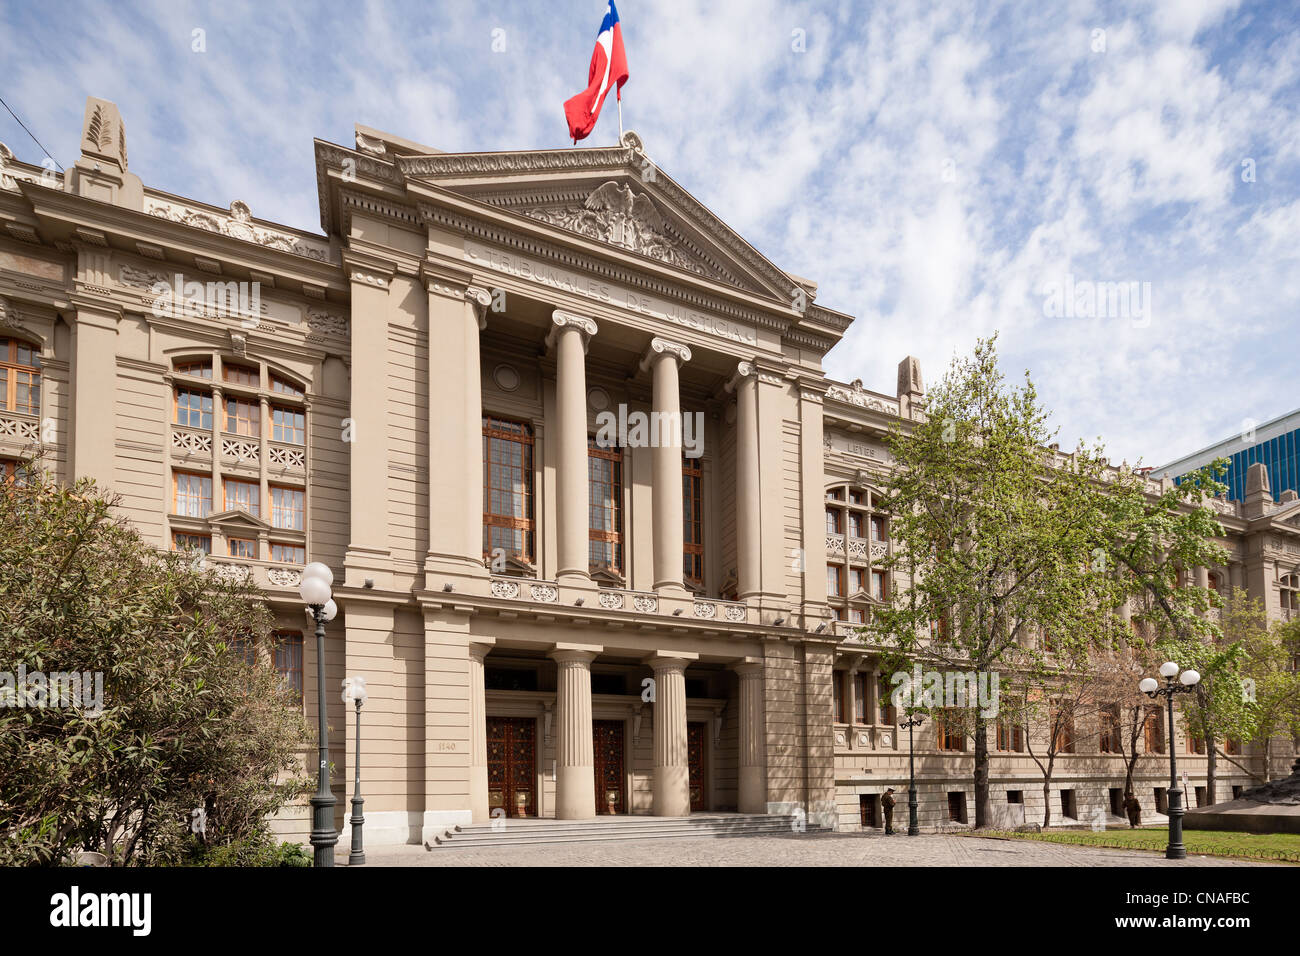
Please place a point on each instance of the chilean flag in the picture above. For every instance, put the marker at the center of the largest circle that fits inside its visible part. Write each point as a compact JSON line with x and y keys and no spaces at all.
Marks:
{"x":608,"y":68}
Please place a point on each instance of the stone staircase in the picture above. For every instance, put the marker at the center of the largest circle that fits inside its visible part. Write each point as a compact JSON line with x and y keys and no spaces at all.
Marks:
{"x":532,"y":831}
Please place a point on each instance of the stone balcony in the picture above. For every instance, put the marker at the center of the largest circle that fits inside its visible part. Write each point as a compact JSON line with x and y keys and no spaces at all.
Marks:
{"x":857,"y":550}
{"x":535,"y":591}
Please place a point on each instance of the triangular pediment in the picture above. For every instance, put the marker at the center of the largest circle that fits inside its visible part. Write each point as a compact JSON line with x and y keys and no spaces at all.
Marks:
{"x":237,"y":518}
{"x":614,"y":196}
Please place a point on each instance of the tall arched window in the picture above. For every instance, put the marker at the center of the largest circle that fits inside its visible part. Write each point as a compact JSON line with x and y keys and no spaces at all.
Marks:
{"x":20,"y":376}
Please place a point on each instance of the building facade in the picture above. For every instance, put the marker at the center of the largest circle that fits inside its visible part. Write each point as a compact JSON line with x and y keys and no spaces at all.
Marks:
{"x":551,"y":622}
{"x":1274,"y":444}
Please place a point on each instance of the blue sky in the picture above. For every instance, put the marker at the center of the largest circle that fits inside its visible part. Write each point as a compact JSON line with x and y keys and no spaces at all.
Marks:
{"x":939,"y":170}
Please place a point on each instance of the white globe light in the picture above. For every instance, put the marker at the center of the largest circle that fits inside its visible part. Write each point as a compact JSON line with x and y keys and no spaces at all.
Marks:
{"x":1190,"y":678}
{"x":1168,"y":669}
{"x":1148,"y":685}
{"x":314,"y":591}
{"x":318,"y":570}
{"x":330,"y":610}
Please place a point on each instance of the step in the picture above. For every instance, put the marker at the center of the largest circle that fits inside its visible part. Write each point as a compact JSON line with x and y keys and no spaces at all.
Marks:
{"x":521,"y":833}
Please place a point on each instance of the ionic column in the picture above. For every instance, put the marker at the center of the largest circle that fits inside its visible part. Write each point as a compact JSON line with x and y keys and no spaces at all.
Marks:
{"x":850,"y":694}
{"x":478,"y":760}
{"x":672,"y":777}
{"x":575,"y":762}
{"x":666,"y":462}
{"x":569,"y":339}
{"x":264,"y":488}
{"x":753,"y":782}
{"x":748,"y":541}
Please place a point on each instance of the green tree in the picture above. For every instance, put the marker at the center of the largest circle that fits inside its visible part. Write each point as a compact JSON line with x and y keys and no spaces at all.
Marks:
{"x":995,"y":537}
{"x":185,"y":723}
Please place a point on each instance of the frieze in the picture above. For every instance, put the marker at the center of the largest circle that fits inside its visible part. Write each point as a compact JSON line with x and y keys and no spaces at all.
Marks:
{"x":326,"y":323}
{"x":835,"y":442}
{"x":238,"y":224}
{"x":855,"y":394}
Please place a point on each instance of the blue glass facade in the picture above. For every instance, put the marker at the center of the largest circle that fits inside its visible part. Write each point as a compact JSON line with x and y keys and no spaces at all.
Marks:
{"x":1281,"y":455}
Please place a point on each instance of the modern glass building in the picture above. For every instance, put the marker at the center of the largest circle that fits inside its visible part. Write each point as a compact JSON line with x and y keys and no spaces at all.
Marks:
{"x":1275,"y":443}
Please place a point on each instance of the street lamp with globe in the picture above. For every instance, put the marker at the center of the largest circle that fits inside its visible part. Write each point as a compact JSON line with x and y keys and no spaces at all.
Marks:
{"x":315,"y":593}
{"x":1174,"y":684}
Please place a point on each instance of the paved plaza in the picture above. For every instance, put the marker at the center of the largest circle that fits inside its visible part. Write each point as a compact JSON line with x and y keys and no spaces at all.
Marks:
{"x":825,"y":849}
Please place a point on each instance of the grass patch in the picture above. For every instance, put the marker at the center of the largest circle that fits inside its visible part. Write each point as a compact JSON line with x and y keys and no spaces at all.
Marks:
{"x":1284,"y":847}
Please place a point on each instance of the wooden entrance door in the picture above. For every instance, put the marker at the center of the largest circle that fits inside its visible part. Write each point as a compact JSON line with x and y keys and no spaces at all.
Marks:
{"x":512,"y":765}
{"x":607,"y":740}
{"x":695,"y":761}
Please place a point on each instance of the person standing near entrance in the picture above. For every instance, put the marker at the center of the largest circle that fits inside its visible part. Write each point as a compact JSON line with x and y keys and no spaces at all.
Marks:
{"x":887,"y":801}
{"x":1133,"y":809}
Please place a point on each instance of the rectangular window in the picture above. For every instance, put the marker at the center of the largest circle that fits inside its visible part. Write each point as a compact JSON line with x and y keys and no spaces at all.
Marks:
{"x":1064,"y":730}
{"x":288,"y":659}
{"x":191,"y":542}
{"x":192,"y":494}
{"x":855,"y":525}
{"x":199,"y":368}
{"x":241,"y":374}
{"x":693,"y":523}
{"x":878,"y":532}
{"x":833,"y":520}
{"x":834,"y":580}
{"x":956,"y":806}
{"x":243,"y":417}
{"x":886,"y":709}
{"x":242,"y":547}
{"x":242,"y":496}
{"x":1015,"y":796}
{"x":837,"y":695}
{"x":857,"y":615}
{"x":1110,"y":743}
{"x":287,"y":507}
{"x":1153,"y":731}
{"x":605,"y":507}
{"x":859,"y":698}
{"x":1011,"y":736}
{"x":284,"y":386}
{"x":947,"y":728}
{"x":20,"y":376}
{"x":858,"y":579}
{"x":507,"y":489}
{"x":1195,"y":745}
{"x":288,"y":425}
{"x":1068,"y":809}
{"x":878,"y":589}
{"x":193,"y":409}
{"x":288,"y":553}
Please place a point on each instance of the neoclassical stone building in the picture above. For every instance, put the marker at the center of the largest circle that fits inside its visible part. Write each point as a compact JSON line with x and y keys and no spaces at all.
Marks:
{"x":550,"y":623}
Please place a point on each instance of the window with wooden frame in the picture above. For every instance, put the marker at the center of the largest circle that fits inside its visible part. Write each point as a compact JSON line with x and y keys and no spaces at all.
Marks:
{"x":199,"y":368}
{"x":288,"y":425}
{"x":286,"y":653}
{"x":237,"y":374}
{"x":241,"y":496}
{"x":1153,"y":731}
{"x":1109,"y":718}
{"x":243,"y":417}
{"x":855,"y":524}
{"x":693,"y":523}
{"x":1195,"y":745}
{"x":888,"y":713}
{"x":183,"y":541}
{"x":833,"y":519}
{"x":20,"y":376}
{"x":835,"y":580}
{"x":948,"y":732}
{"x":1289,"y":592}
{"x":857,"y":580}
{"x":242,"y":547}
{"x":859,"y":698}
{"x":288,"y":553}
{"x":857,"y":615}
{"x":878,"y":585}
{"x":837,"y":696}
{"x":605,"y":507}
{"x":879,"y":529}
{"x":508,"y":517}
{"x":1063,"y":727}
{"x":193,"y":408}
{"x":12,"y":470}
{"x":284,"y":386}
{"x":287,"y":506}
{"x":191,"y":494}
{"x":1010,"y":736}
{"x":1232,"y":746}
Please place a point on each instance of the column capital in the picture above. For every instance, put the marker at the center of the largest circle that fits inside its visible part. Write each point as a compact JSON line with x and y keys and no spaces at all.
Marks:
{"x":575,"y":653}
{"x":747,"y":667}
{"x":480,"y":648}
{"x":479,"y":299}
{"x":743,"y":371}
{"x":562,"y":320}
{"x":660,"y":347}
{"x":670,"y":663}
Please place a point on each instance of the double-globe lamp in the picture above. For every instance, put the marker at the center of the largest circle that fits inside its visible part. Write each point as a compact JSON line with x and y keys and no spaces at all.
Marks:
{"x":315,"y":593}
{"x":1174,"y":684}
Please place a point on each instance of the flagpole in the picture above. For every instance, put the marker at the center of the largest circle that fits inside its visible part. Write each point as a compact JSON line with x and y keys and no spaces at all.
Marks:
{"x":619,"y":97}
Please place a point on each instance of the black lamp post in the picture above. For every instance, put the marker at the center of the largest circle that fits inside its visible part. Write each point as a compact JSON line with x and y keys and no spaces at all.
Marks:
{"x":1174,"y":684}
{"x":912,"y":722}
{"x":354,"y":692}
{"x":315,"y":593}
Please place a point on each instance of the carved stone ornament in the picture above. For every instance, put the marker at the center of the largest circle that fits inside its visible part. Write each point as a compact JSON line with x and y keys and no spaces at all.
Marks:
{"x":374,"y":147}
{"x":855,"y":394}
{"x":616,"y":214}
{"x":239,"y":225}
{"x":660,"y":347}
{"x":568,"y":320}
{"x":8,"y":317}
{"x":325,"y":323}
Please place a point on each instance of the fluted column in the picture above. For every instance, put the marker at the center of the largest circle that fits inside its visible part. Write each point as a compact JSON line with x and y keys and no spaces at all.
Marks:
{"x":664,"y":358}
{"x":478,"y":761}
{"x":672,"y":783}
{"x":749,"y":555}
{"x":753,"y":783}
{"x":569,"y":339}
{"x":575,"y":762}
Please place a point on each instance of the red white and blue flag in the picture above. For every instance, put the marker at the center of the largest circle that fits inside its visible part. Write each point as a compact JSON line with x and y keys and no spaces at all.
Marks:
{"x":608,"y":70}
